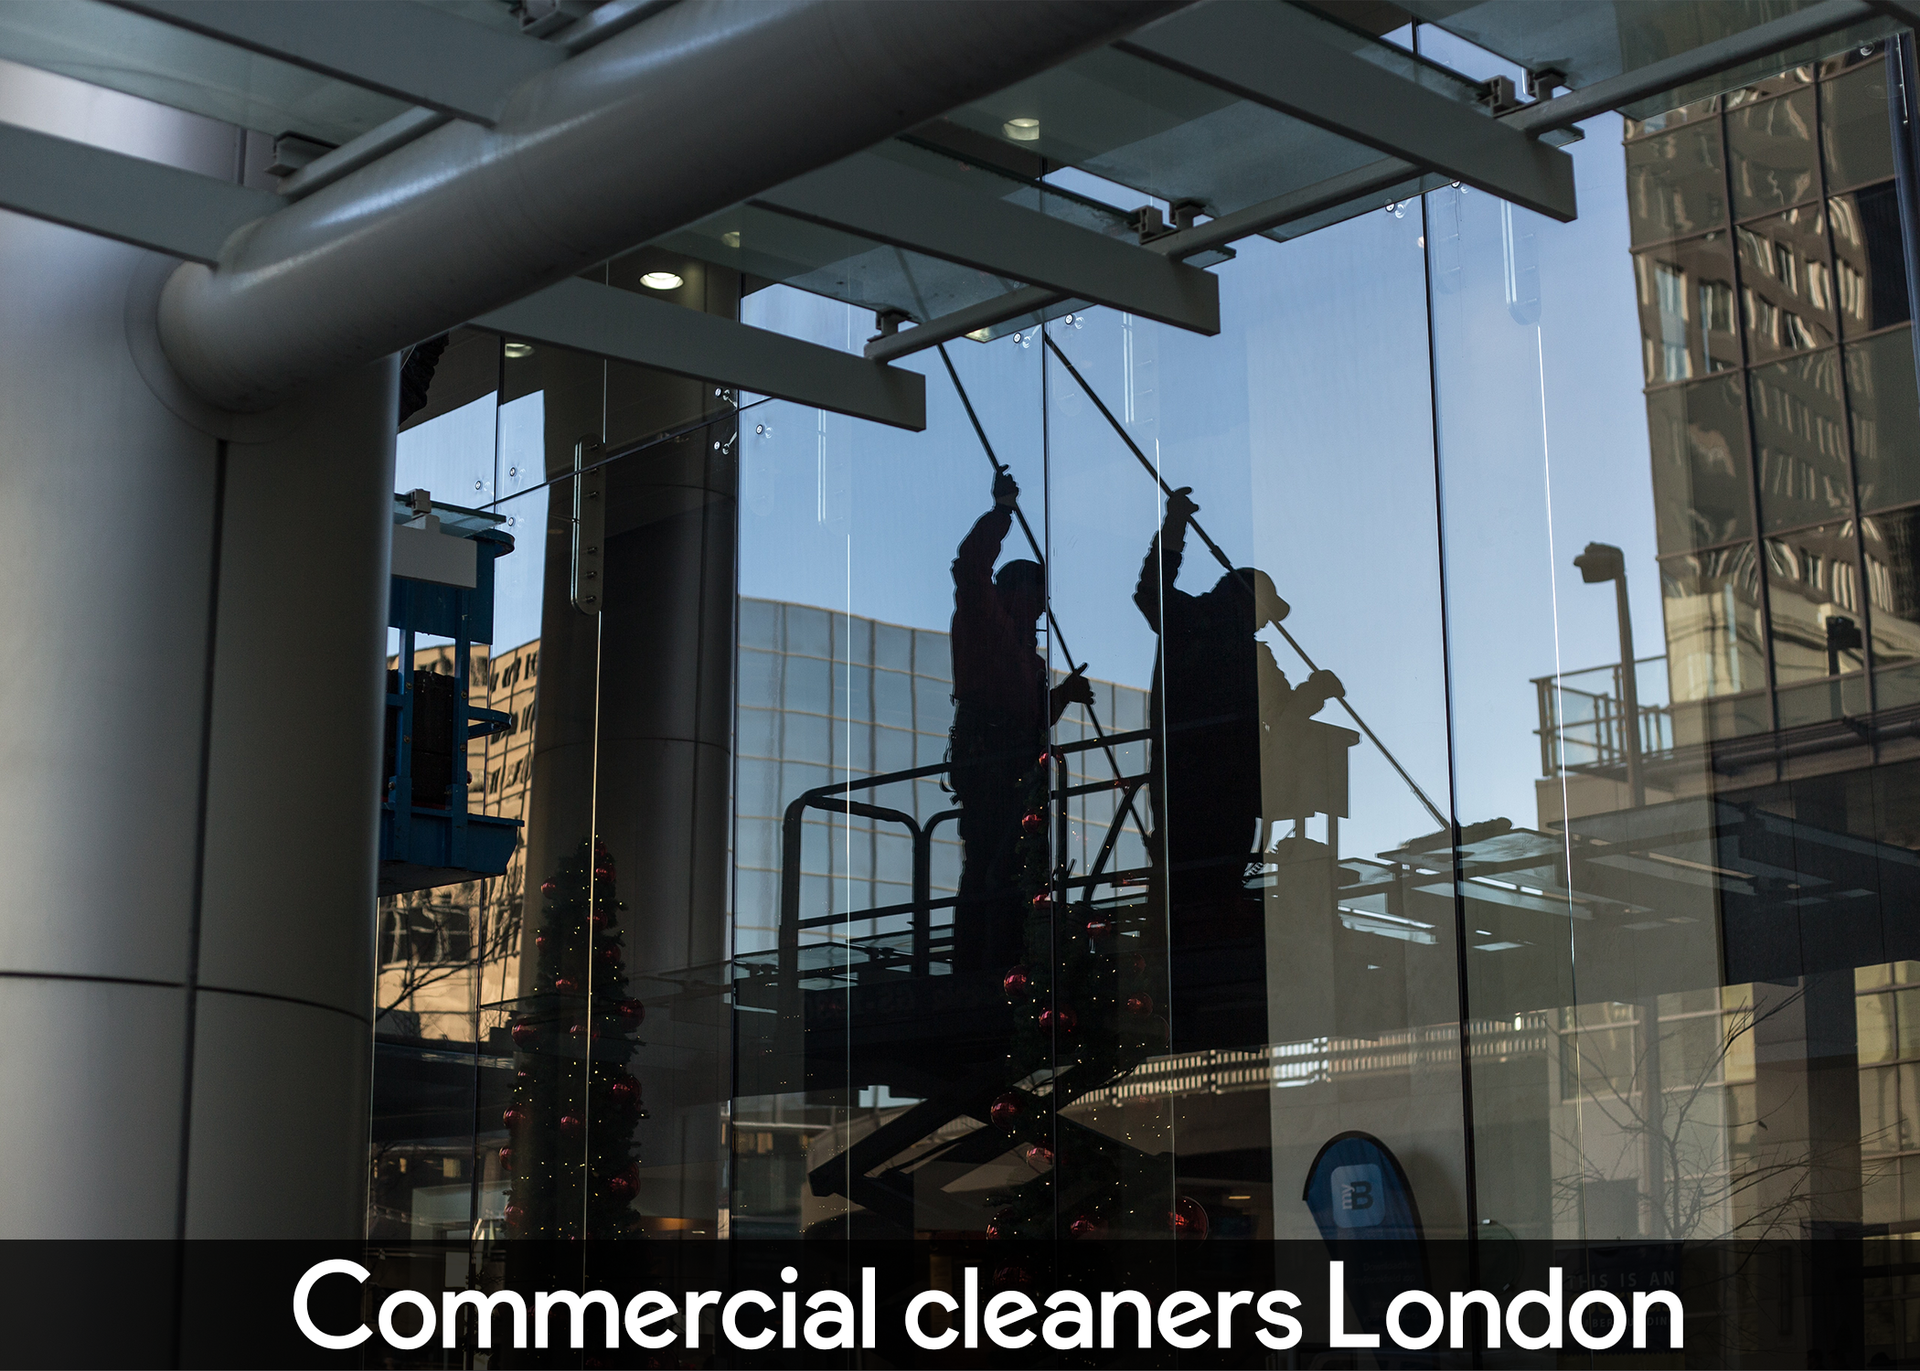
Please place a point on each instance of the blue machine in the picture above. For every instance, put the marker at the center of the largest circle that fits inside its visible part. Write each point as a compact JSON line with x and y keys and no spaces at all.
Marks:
{"x":442,"y":585}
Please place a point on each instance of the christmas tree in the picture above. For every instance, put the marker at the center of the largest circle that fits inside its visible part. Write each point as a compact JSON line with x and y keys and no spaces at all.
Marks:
{"x":1083,"y":1018}
{"x":570,"y":1123}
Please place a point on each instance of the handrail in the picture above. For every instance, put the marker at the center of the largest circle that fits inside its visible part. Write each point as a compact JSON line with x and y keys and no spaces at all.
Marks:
{"x":922,"y":905}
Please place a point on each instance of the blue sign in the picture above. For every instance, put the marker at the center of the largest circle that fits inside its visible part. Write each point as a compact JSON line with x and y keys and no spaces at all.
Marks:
{"x":1357,"y":1190}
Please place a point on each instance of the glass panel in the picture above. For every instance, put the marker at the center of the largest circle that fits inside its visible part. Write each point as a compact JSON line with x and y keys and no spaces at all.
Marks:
{"x":1870,"y":273}
{"x":1786,"y":283}
{"x":1713,"y":632}
{"x":105,"y":45}
{"x":1677,"y":183}
{"x":1799,"y":427}
{"x":1698,"y":435}
{"x":1686,"y":309}
{"x":1891,"y":544}
{"x":1772,"y":158}
{"x":1886,"y":419}
{"x":1813,"y":591}
{"x":1854,"y":133}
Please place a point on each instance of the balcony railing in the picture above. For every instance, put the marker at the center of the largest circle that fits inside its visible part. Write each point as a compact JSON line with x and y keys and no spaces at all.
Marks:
{"x":1583,"y":717}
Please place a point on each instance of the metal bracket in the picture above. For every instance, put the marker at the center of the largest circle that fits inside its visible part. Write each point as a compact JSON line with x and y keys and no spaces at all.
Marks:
{"x":888,"y":321}
{"x":589,"y":526}
{"x":1499,"y":96}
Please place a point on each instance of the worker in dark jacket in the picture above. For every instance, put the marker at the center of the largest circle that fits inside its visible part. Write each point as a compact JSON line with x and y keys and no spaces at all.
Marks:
{"x":1002,"y":712}
{"x":1206,"y":714}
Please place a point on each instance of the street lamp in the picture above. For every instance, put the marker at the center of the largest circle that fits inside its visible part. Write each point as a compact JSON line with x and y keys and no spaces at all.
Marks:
{"x":1605,"y":562}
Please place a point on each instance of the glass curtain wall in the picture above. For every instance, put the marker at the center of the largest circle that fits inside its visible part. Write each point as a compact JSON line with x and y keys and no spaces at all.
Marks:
{"x":1468,"y":702}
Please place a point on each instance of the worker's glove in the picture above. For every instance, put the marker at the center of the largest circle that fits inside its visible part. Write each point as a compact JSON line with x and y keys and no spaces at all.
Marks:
{"x":1006,"y":490}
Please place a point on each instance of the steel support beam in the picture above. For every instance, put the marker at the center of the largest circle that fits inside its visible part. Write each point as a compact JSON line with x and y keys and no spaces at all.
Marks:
{"x":1278,"y":56}
{"x":879,"y":198}
{"x":615,"y":323}
{"x":129,"y":198}
{"x":410,"y":51}
{"x":1372,"y":179}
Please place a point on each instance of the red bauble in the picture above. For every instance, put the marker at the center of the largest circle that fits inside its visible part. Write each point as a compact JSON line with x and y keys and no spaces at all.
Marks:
{"x":631,"y":1012}
{"x":549,"y":887}
{"x":525,"y":1035}
{"x":506,"y":1159}
{"x":1042,"y":761}
{"x":1034,"y":822}
{"x":1139,"y":963}
{"x":622,"y":1186}
{"x":1188,"y":1218}
{"x":513,"y":1215}
{"x":1060,"y":1020}
{"x":1005,"y":1111}
{"x":511,"y":1116}
{"x":1015,"y":983}
{"x":1039,"y":1157}
{"x":1140,"y":1004}
{"x":576,"y":1029}
{"x":566,"y":985}
{"x":600,"y":918}
{"x":1001,"y":1224}
{"x":623,"y":1093}
{"x":539,"y":940}
{"x":1012,"y":1275}
{"x":571,"y":1125}
{"x":610,"y":955}
{"x":1043,"y":899}
{"x":603,"y":873}
{"x":1098,"y":928}
{"x":1088,"y":1226}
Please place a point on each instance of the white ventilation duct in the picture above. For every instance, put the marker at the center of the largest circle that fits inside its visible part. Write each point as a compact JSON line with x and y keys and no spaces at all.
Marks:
{"x":693,"y":110}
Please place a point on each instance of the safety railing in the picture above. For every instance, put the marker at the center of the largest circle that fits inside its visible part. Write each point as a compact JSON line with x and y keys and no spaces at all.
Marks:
{"x":1583,"y":724}
{"x":838,"y":799}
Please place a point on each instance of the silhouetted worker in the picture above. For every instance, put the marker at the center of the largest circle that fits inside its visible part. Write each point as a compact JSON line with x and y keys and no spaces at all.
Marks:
{"x":1206,"y":714}
{"x":1002,"y":711}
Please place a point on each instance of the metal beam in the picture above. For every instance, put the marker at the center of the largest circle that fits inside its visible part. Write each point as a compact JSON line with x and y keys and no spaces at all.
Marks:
{"x":1283,"y":61}
{"x":1371,"y":179}
{"x":128,"y":198}
{"x":1709,"y":59}
{"x":410,"y":51}
{"x":879,"y":198}
{"x":615,"y":323}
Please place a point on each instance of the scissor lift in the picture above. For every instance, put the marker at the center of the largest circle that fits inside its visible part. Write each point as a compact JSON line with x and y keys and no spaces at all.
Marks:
{"x":442,"y":585}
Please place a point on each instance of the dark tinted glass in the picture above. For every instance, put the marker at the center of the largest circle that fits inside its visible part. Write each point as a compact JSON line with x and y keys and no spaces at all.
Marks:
{"x":1676,"y":183}
{"x":1853,"y":126}
{"x":1771,"y":154}
{"x":1870,"y":273}
{"x":1698,"y":436}
{"x":1686,"y":299}
{"x":1886,"y":419}
{"x":1786,"y":283}
{"x":1799,"y":430}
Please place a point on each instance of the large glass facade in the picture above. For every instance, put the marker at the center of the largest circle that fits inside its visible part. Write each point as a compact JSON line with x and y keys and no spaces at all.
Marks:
{"x":1468,"y":702}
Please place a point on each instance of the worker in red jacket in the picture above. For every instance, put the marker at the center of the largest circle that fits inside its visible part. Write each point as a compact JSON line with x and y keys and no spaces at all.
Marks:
{"x":1001,"y":717}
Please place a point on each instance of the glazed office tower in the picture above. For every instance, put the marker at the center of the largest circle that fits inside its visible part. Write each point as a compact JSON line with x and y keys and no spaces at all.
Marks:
{"x":1550,"y":385}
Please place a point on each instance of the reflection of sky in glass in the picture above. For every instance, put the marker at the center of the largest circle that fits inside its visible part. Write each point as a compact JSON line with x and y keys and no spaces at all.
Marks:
{"x":1306,"y":429}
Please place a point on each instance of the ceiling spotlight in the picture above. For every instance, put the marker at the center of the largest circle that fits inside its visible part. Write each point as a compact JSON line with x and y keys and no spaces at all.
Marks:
{"x":515,"y":351}
{"x":662,"y":280}
{"x":1022,"y":130}
{"x":981,"y":335}
{"x":731,"y":238}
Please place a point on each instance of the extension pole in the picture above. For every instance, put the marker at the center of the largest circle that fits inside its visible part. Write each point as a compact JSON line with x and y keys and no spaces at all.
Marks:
{"x":1214,"y":548}
{"x":1112,"y":762}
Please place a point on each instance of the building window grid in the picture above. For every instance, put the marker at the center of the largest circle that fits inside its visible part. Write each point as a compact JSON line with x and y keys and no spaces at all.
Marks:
{"x":1822,"y":193}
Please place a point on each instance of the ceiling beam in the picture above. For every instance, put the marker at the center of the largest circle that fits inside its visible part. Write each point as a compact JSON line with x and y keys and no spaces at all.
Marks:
{"x":136,"y":201}
{"x":626,"y":327}
{"x":410,"y":51}
{"x":879,"y":198}
{"x":1279,"y":56}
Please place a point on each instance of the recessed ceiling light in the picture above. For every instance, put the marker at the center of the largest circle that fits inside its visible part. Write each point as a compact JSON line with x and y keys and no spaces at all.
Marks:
{"x":731,"y":238}
{"x":662,"y":280}
{"x":980,"y":335}
{"x":518,"y":350}
{"x":1022,"y":130}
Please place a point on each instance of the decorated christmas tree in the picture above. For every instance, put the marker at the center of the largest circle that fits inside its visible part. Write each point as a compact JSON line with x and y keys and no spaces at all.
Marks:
{"x":570,"y":1146}
{"x":1084,"y":1016}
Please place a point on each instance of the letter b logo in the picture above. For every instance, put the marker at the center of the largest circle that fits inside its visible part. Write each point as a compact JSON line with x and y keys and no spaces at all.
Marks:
{"x":1356,"y":1196}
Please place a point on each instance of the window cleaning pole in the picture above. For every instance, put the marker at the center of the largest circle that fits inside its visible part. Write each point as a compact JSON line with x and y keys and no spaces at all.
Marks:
{"x":1214,"y":548}
{"x":1034,"y":543}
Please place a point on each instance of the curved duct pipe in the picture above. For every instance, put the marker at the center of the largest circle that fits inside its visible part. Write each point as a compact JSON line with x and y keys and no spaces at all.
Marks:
{"x":691,"y":111}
